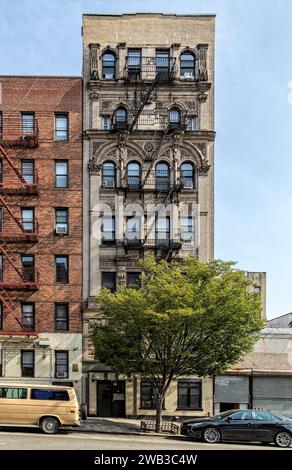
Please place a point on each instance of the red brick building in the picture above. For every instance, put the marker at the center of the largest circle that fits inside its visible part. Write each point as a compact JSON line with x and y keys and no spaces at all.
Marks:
{"x":40,"y":228}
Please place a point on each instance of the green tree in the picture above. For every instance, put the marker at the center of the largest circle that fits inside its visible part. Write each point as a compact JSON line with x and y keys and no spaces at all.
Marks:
{"x":186,"y":319}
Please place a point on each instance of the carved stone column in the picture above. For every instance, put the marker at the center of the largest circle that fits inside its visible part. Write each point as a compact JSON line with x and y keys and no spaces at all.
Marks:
{"x":94,"y":49}
{"x":121,"y":60}
{"x":203,"y":69}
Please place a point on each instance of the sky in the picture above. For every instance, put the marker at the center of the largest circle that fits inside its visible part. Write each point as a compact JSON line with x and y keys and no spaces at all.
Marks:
{"x":253,"y":164}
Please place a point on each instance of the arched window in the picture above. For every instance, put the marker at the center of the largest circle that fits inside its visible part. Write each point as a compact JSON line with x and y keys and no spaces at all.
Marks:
{"x":109,"y":175}
{"x":162,"y":176}
{"x":187,"y":66}
{"x":109,"y":65}
{"x":133,"y":175}
{"x":174,"y":117}
{"x":121,"y":118}
{"x":187,"y":175}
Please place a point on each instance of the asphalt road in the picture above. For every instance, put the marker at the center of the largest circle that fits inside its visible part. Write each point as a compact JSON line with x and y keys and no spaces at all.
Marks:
{"x":33,"y":440}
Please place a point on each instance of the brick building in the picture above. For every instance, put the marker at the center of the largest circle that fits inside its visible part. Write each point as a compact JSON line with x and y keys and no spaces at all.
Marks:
{"x":148,"y":122}
{"x":40,"y":229}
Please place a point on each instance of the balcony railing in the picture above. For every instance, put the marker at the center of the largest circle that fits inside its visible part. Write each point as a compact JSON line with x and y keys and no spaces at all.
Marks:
{"x":9,"y":232}
{"x":149,"y":68}
{"x":16,"y":186}
{"x":15,"y":133}
{"x":28,"y":281}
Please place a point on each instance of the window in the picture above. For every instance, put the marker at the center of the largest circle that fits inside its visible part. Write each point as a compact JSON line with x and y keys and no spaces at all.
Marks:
{"x":27,"y":171}
{"x":62,"y":269}
{"x":109,"y":175}
{"x":133,"y":175}
{"x":187,"y":175}
{"x":187,"y":66}
{"x":1,"y":321}
{"x":264,"y":416}
{"x":162,"y":176}
{"x":27,"y":122}
{"x":148,"y":395}
{"x":108,"y":229}
{"x":13,"y":393}
{"x":61,"y":316}
{"x":257,"y":289}
{"x":133,"y":279}
{"x":190,"y":124}
{"x":162,"y":62}
{"x":27,"y":219}
{"x":27,"y":363}
{"x":61,"y":364}
{"x":48,"y":394}
{"x":162,"y":229}
{"x":61,"y":218}
{"x":108,"y":280}
{"x":241,"y":415}
{"x":61,"y":174}
{"x":133,"y":228}
{"x":108,"y":65}
{"x":190,"y":394}
{"x":28,"y":316}
{"x":174,"y":117}
{"x":187,"y":229}
{"x":61,"y":127}
{"x":28,"y":271}
{"x":106,"y":123}
{"x":121,"y":118}
{"x":134,"y":64}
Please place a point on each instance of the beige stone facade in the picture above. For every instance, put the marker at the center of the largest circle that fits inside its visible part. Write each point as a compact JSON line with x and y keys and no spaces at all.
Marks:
{"x":159,"y":70}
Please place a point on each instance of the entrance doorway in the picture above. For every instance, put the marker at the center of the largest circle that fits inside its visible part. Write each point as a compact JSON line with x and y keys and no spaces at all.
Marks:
{"x":110,"y":398}
{"x":228,"y":406}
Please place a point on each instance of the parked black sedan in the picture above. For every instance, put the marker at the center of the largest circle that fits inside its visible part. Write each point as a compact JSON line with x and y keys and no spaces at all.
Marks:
{"x":241,"y":425}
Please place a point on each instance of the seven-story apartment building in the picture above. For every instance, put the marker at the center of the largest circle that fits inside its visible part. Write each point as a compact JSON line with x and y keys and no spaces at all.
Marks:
{"x":40,"y":229}
{"x":148,"y":163}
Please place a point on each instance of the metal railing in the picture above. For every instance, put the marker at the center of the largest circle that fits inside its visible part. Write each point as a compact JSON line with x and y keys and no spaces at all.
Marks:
{"x":149,"y":68}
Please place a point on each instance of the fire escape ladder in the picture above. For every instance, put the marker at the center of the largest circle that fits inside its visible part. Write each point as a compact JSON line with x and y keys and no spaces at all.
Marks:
{"x":3,"y":149}
{"x":155,"y":154}
{"x":11,"y":259}
{"x":7,"y":302}
{"x":17,"y":221}
{"x":144,"y":102}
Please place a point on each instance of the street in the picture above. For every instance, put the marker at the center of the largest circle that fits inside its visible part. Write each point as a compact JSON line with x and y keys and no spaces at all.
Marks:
{"x":33,"y":440}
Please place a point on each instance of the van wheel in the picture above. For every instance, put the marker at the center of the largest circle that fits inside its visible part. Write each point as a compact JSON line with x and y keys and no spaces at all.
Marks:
{"x":49,"y":425}
{"x":83,"y":412}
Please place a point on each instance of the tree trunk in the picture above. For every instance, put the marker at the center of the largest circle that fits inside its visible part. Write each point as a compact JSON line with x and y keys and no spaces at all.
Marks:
{"x":158,"y":414}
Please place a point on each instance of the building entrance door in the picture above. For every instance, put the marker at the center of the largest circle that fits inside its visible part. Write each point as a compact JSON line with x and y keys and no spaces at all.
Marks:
{"x":110,"y":398}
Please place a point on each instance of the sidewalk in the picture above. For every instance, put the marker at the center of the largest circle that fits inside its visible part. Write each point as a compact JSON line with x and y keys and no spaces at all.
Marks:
{"x":115,"y":426}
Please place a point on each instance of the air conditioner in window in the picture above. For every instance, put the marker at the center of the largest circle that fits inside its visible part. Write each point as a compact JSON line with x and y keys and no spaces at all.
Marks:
{"x":108,"y":184}
{"x":61,"y":230}
{"x":108,"y":75}
{"x":188,"y":75}
{"x":61,"y":375}
{"x":188,"y":184}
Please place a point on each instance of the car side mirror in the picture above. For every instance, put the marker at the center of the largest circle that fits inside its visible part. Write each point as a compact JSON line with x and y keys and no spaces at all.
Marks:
{"x":228,"y":419}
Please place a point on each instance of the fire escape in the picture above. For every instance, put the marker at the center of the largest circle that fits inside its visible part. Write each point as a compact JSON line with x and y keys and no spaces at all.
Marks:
{"x":19,"y":274}
{"x":146,"y":74}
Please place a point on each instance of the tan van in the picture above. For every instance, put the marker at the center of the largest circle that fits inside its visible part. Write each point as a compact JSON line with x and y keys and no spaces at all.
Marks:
{"x":46,"y":406}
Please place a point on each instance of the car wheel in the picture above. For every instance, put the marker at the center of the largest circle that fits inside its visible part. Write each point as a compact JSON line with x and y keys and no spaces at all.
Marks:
{"x":49,"y":425}
{"x":211,"y":435}
{"x":283,"y":439}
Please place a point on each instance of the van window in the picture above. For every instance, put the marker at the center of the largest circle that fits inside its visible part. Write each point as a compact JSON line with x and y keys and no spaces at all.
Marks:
{"x":47,"y":394}
{"x":14,"y":393}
